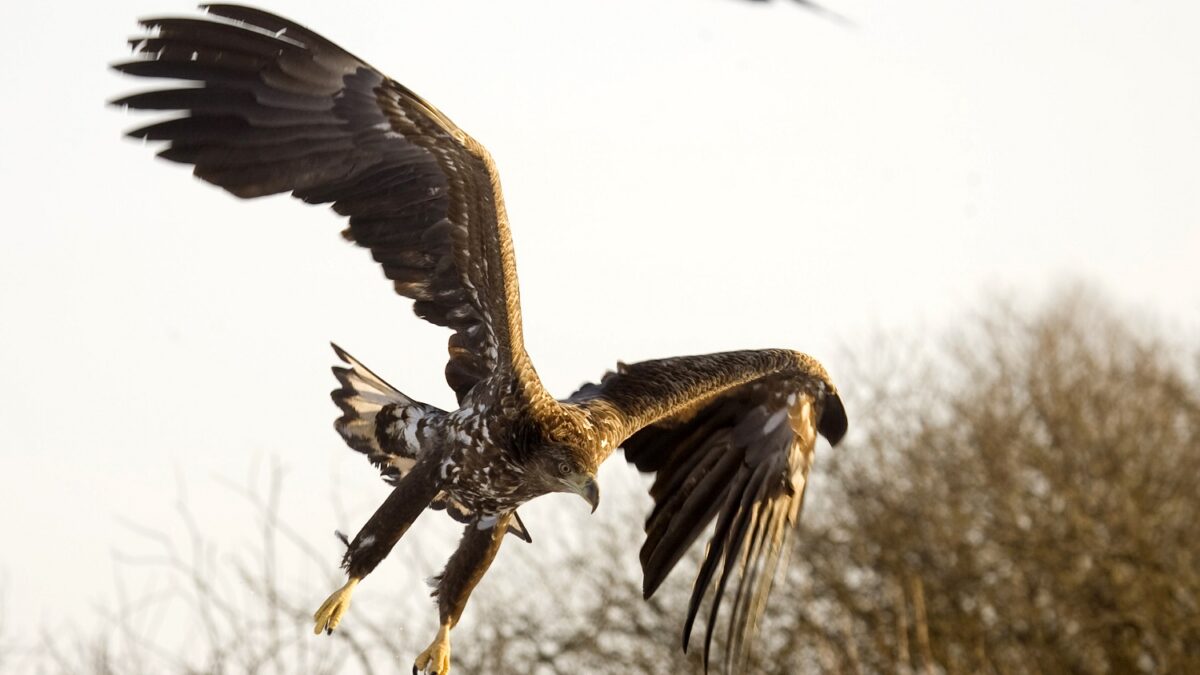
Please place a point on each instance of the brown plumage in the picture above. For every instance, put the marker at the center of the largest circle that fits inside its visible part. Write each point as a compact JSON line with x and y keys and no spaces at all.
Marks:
{"x":730,"y":437}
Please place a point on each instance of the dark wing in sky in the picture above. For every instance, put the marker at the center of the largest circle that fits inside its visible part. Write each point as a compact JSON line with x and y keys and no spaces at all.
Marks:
{"x":275,"y":108}
{"x":820,"y":9}
{"x":727,"y":436}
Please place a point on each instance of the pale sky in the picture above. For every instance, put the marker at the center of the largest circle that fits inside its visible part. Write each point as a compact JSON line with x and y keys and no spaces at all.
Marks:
{"x":682,"y":176}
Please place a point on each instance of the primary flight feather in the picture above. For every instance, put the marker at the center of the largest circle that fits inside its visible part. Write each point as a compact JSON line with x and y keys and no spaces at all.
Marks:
{"x":273,"y":107}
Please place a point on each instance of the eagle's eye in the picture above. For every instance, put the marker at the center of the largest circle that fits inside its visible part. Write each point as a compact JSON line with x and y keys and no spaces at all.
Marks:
{"x":564,"y":468}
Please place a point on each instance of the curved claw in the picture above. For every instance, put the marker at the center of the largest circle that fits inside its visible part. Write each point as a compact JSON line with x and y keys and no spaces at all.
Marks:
{"x":435,"y":660}
{"x":330,"y":612}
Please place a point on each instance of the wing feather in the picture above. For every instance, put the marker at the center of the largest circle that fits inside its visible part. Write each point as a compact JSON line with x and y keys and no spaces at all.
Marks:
{"x":270,"y":106}
{"x":728,"y":437}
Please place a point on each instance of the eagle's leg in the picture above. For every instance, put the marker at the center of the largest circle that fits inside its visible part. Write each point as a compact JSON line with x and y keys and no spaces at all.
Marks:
{"x":330,"y":613}
{"x":375,"y":540}
{"x":436,"y":657}
{"x":466,"y":567}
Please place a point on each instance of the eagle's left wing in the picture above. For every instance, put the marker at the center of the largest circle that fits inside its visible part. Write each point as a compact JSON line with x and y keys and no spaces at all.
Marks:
{"x":728,"y":436}
{"x":268,"y":106}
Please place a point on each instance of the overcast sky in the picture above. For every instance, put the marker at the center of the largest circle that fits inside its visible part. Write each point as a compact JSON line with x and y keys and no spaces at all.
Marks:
{"x":682,"y":176}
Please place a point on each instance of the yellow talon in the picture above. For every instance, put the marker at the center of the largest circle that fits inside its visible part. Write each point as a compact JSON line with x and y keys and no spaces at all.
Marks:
{"x":331,"y":611}
{"x":436,"y":659}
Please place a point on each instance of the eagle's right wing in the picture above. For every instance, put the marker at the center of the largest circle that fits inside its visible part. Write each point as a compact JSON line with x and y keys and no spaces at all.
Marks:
{"x":727,"y":436}
{"x":277,"y":108}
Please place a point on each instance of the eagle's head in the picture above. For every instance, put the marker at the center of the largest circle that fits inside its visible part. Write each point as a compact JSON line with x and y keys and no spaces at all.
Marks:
{"x":555,"y":459}
{"x":559,"y":467}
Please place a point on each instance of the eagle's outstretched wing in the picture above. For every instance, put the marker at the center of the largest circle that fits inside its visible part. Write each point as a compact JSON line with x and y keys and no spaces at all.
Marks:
{"x":728,"y":436}
{"x":277,"y":108}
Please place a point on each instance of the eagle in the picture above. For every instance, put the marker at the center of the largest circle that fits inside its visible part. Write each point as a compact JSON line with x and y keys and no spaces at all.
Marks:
{"x":268,"y":107}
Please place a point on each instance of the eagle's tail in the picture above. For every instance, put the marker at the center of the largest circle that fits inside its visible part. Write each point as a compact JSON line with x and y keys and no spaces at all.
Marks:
{"x":367,"y":402}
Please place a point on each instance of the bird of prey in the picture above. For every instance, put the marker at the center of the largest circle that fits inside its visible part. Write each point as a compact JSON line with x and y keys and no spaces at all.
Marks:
{"x":269,"y":107}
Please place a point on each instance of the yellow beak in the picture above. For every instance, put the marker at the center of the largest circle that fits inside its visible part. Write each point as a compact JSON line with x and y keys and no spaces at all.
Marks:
{"x":590,"y":492}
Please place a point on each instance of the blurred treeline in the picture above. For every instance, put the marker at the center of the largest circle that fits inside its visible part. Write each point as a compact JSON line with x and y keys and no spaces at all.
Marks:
{"x":1022,"y":496}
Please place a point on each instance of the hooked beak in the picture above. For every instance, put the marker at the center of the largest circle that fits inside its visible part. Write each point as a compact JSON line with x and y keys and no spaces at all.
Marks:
{"x":590,"y":492}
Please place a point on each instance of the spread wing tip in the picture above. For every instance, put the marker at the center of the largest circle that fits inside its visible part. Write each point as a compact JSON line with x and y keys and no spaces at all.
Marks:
{"x":341,"y":353}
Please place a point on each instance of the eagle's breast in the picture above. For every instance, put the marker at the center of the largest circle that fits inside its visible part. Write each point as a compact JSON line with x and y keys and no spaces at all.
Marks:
{"x":478,"y":469}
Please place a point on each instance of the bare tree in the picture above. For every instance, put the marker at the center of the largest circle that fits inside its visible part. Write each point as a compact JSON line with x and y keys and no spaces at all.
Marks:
{"x":1031,"y":509}
{"x":1024,"y":500}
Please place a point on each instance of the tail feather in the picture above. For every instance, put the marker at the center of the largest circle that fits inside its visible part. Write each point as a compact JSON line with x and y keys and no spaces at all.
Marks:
{"x":384,"y":424}
{"x":377,"y":419}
